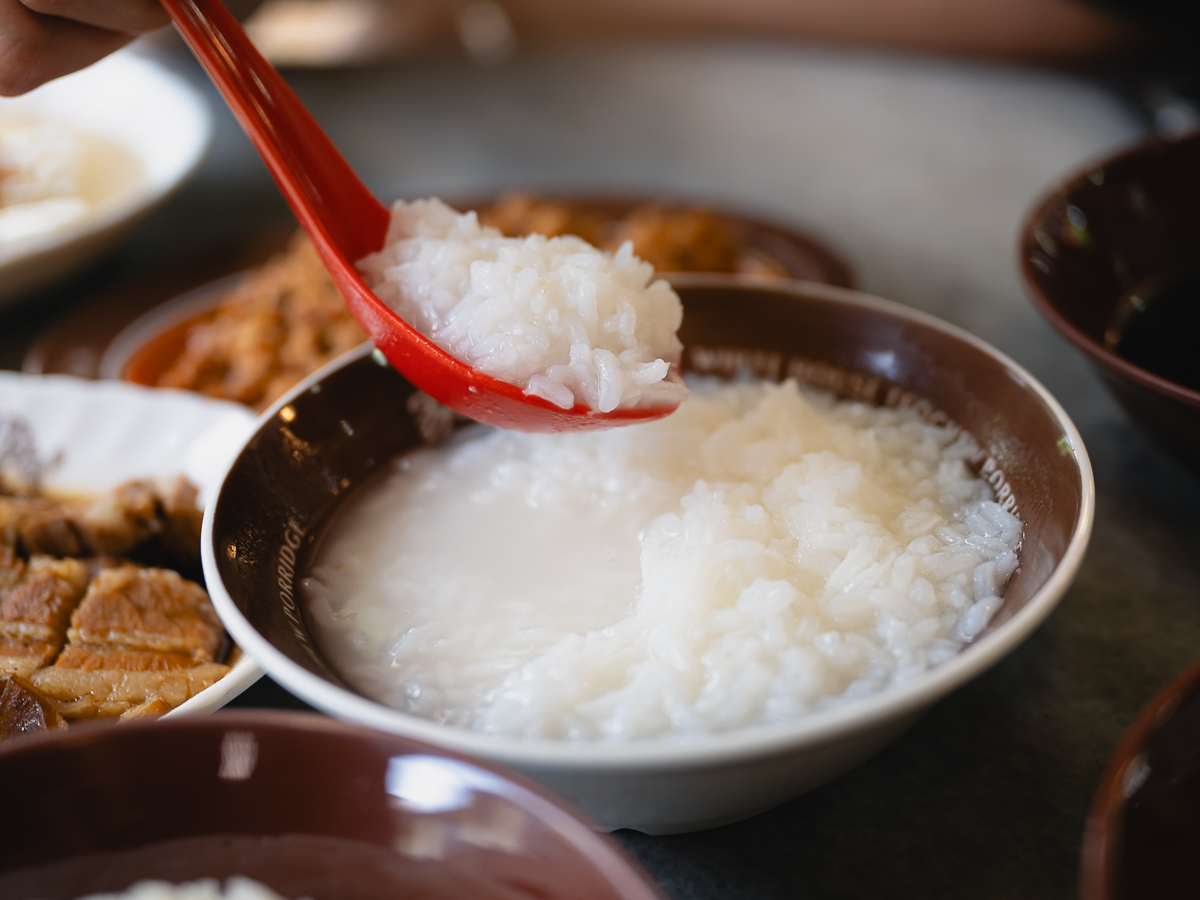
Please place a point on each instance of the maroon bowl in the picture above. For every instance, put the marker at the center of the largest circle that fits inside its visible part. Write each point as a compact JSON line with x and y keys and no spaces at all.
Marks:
{"x":1143,"y":833}
{"x":1114,"y":228}
{"x":305,"y":805}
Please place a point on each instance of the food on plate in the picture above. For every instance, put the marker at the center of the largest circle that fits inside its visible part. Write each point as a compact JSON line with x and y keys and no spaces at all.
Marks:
{"x":147,"y":516}
{"x":275,"y":327}
{"x":92,"y":622}
{"x":670,"y":237}
{"x":52,"y":176}
{"x":554,"y":316}
{"x":286,"y":319}
{"x":236,"y":888}
{"x":764,"y":552}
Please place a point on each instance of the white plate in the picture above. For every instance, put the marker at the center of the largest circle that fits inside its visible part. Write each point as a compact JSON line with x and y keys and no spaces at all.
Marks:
{"x":129,"y":101}
{"x":94,"y":435}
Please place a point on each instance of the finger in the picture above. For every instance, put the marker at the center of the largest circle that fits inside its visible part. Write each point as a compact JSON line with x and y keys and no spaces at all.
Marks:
{"x":125,"y":16}
{"x":35,"y":48}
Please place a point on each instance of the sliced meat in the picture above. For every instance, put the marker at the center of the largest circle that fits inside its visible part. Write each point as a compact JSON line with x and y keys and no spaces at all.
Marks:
{"x":132,"y":608}
{"x":151,"y":709}
{"x":93,"y":634}
{"x":80,"y":694}
{"x":119,"y":659}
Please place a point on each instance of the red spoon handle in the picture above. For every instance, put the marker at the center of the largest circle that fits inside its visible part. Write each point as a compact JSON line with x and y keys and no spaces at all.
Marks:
{"x":324,"y":192}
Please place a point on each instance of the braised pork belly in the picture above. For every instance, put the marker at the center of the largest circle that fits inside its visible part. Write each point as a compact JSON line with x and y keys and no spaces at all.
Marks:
{"x":86,"y":628}
{"x":36,"y":609}
{"x":136,"y":517}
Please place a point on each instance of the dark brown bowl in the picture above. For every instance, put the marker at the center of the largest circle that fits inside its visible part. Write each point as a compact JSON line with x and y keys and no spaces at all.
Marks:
{"x":308,"y":806}
{"x":330,"y":433}
{"x":1143,"y":833}
{"x":1116,"y":226}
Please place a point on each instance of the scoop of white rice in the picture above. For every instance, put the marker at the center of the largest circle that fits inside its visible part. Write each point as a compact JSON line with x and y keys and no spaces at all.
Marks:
{"x":555,"y":316}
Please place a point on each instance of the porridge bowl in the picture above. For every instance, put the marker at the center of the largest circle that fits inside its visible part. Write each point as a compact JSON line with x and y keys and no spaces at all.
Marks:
{"x":328,"y":446}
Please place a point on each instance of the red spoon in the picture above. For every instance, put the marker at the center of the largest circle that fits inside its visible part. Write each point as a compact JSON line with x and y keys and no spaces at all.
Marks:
{"x":346,"y":223}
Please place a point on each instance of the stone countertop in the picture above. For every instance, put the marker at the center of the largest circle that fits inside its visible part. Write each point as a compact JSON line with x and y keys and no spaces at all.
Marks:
{"x":918,"y":171}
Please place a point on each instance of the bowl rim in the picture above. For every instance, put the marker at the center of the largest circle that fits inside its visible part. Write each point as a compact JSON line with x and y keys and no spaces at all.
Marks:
{"x":1098,"y":353}
{"x":572,"y":826}
{"x":759,"y":741}
{"x":1102,"y":834}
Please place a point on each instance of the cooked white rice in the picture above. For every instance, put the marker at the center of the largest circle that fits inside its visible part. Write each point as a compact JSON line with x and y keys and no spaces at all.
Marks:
{"x":236,"y":888}
{"x":762,"y":552}
{"x":555,"y":316}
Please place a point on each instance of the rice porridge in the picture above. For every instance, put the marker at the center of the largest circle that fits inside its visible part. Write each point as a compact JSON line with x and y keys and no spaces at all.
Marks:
{"x":763,"y":552}
{"x":567,"y":322}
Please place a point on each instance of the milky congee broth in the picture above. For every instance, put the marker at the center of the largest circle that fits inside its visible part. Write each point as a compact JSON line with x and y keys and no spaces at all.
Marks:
{"x":555,"y":316}
{"x":762,"y":552}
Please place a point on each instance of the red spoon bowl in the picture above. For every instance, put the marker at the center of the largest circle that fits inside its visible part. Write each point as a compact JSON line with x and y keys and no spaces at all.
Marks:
{"x":347,"y":222}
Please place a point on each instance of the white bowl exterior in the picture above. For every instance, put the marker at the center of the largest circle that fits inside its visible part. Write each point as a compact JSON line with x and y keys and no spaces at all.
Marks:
{"x":137,"y":104}
{"x":692,"y":798}
{"x":662,"y":787}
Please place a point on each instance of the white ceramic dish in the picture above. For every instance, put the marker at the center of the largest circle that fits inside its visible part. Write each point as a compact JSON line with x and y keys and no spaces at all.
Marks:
{"x":92,"y":436}
{"x":135,"y":104}
{"x":326,"y":434}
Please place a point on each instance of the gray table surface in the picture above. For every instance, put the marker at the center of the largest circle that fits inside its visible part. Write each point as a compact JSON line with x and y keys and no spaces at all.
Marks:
{"x":918,"y":171}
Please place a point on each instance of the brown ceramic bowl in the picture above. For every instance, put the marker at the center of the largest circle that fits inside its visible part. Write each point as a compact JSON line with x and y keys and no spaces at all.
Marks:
{"x":1143,"y":833}
{"x":1110,"y":229}
{"x":308,"y":806}
{"x":332,"y":431}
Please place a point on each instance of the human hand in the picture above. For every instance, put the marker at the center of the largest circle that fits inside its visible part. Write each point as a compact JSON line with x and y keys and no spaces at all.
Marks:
{"x":43,"y":39}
